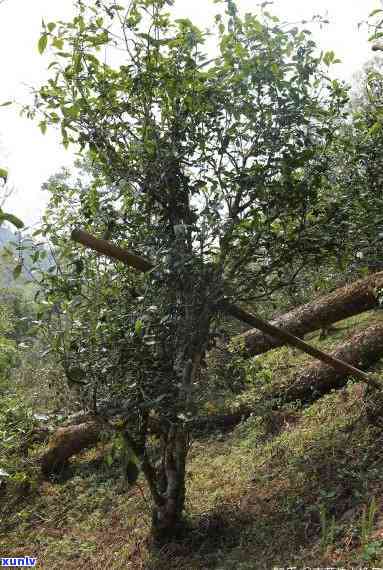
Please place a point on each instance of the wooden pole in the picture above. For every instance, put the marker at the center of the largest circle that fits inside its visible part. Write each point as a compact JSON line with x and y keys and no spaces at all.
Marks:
{"x":141,"y":264}
{"x":288,"y":338}
{"x":112,"y":251}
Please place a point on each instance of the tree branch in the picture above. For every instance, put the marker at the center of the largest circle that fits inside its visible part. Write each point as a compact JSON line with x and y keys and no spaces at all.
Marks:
{"x":141,"y":264}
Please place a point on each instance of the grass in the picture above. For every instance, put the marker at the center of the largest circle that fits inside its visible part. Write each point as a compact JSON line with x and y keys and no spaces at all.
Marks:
{"x":303,"y":486}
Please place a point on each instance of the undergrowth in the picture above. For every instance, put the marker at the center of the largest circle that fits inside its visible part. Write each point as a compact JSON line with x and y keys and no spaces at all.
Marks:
{"x":297,"y":486}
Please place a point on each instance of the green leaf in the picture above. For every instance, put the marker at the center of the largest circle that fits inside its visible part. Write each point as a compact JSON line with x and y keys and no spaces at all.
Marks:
{"x":51,"y":26}
{"x":11,"y":219}
{"x":4,"y":174}
{"x":77,"y":65}
{"x":138,"y":327}
{"x":43,"y":127}
{"x":376,"y":36}
{"x":109,"y":459}
{"x":17,"y":270}
{"x":374,"y":12}
{"x":58,"y":43}
{"x":72,"y":112}
{"x":376,"y":127}
{"x":43,"y":42}
{"x":328,"y":57}
{"x":6,"y":104}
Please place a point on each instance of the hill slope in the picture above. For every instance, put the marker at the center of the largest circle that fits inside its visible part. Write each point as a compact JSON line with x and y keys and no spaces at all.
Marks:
{"x":293,"y":487}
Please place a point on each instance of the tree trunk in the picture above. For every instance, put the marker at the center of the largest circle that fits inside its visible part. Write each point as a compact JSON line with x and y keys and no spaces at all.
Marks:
{"x":166,"y":520}
{"x":69,"y":441}
{"x":362,"y":350}
{"x":169,"y":500}
{"x":336,"y":306}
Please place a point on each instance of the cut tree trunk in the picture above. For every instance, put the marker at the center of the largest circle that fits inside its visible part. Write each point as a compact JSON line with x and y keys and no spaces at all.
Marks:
{"x":336,"y":306}
{"x":67,"y":442}
{"x":363,"y":350}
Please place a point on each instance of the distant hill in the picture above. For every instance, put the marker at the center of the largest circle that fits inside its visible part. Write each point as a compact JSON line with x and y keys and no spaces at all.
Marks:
{"x":6,"y":236}
{"x":10,"y":257}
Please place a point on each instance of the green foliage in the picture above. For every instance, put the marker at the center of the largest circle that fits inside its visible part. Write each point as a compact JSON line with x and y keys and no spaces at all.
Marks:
{"x":16,"y":424}
{"x":367,"y":521}
{"x":42,"y":44}
{"x":268,"y":198}
{"x":206,"y":126}
{"x":121,"y":453}
{"x":7,"y":346}
{"x":364,"y":143}
{"x":372,"y":550}
{"x":16,"y":419}
{"x":17,"y":270}
{"x":6,"y":217}
{"x":219,"y":171}
{"x":7,"y":358}
{"x":4,"y":174}
{"x":327,"y":528}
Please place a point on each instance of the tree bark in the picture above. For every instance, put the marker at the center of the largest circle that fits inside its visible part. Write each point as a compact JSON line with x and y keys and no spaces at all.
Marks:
{"x":363,"y":349}
{"x":167,"y":511}
{"x":336,"y":306}
{"x":69,"y":441}
{"x":285,"y":337}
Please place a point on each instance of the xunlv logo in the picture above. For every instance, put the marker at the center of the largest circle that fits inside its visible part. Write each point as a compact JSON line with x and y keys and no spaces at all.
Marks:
{"x":25,"y":561}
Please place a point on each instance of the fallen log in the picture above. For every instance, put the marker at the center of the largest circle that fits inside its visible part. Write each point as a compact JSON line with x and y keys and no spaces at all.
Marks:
{"x":364,"y":349}
{"x":69,"y":441}
{"x":340,"y":366}
{"x":336,"y":306}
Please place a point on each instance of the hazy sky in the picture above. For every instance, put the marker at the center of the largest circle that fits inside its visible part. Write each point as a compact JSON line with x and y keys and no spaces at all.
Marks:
{"x":31,"y":157}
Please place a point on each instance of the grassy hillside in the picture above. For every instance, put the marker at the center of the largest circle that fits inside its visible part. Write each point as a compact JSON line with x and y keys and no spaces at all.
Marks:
{"x":292,"y":487}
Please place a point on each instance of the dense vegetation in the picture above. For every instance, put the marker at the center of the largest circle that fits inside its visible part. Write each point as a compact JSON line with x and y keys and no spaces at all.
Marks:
{"x":249,"y":177}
